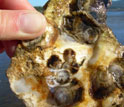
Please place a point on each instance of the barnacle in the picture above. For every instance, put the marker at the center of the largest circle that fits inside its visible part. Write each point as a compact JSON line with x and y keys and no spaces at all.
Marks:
{"x":77,"y":62}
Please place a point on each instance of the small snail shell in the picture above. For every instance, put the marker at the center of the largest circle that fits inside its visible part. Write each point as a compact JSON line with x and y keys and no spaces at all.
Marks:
{"x":62,"y":77}
{"x":118,"y":74}
{"x":64,"y":96}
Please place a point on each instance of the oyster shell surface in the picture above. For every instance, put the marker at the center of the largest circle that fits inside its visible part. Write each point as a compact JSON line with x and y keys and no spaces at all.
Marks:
{"x":76,"y":63}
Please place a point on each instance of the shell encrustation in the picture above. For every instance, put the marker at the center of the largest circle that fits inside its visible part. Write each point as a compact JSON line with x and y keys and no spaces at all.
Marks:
{"x":77,"y":62}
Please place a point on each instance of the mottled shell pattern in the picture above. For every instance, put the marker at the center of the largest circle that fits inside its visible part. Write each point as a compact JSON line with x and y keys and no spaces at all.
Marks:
{"x":77,"y":62}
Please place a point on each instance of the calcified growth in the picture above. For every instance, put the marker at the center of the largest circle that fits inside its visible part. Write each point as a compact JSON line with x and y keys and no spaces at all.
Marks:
{"x":76,"y":63}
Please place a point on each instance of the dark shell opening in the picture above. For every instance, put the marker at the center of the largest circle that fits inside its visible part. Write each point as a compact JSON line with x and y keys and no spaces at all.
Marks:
{"x":54,"y":62}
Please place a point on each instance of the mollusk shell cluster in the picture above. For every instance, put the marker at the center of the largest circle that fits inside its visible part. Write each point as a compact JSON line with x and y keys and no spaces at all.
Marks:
{"x":77,"y":62}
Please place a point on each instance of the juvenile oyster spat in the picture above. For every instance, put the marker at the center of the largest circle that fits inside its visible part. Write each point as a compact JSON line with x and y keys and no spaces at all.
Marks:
{"x":76,"y":63}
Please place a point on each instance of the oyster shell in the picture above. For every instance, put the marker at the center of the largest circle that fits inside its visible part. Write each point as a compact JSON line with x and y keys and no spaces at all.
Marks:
{"x":76,"y":63}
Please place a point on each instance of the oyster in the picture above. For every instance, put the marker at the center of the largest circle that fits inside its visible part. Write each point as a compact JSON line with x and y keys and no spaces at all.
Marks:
{"x":76,"y":63}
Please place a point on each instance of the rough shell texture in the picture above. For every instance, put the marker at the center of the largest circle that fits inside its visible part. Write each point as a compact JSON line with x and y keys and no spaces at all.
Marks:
{"x":77,"y":62}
